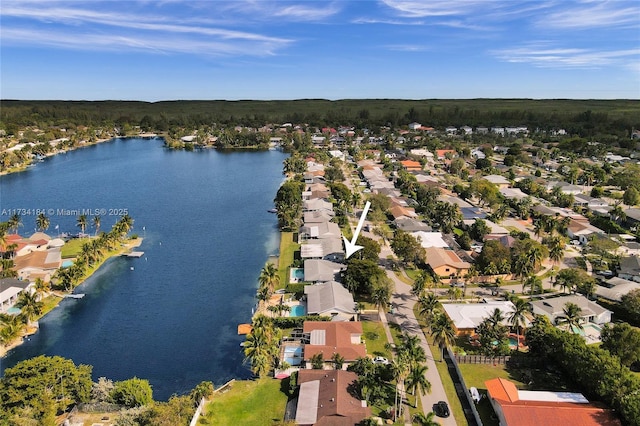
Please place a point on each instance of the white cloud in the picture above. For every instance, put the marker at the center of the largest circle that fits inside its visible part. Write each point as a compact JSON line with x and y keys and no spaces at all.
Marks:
{"x":543,"y":56}
{"x":599,"y":14}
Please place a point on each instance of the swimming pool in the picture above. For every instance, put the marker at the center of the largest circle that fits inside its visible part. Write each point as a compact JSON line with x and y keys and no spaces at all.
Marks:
{"x":296,"y":275}
{"x":293,"y":355}
{"x":67,"y":263}
{"x":297,"y":311}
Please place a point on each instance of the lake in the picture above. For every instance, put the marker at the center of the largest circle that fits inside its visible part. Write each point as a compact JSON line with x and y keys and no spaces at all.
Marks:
{"x":171,"y":315}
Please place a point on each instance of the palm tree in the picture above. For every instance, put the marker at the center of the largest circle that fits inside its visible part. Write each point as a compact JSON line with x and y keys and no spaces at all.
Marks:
{"x":572,"y":316}
{"x":425,"y":420}
{"x":338,"y":361}
{"x":534,"y":283}
{"x":42,"y":222}
{"x":10,"y":328}
{"x":496,"y":317}
{"x":422,"y":281}
{"x":517,"y":318}
{"x":42,"y":287}
{"x":29,"y":305}
{"x":81,"y":222}
{"x":417,"y":381}
{"x":556,"y":249}
{"x":14,"y":222}
{"x":412,"y":348}
{"x":95,"y":222}
{"x":427,"y":305}
{"x":6,"y":268}
{"x":400,"y":368}
{"x":381,"y":295}
{"x":269,"y":277}
{"x":442,"y":332}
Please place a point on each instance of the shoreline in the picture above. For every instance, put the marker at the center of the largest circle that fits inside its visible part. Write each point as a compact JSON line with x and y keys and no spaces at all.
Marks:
{"x":60,"y":296}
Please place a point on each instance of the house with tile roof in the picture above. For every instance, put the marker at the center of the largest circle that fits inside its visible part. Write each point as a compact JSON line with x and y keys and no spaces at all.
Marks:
{"x":324,"y":399}
{"x":331,"y":337}
{"x":553,"y":307}
{"x":516,"y":407}
{"x":446,"y":263}
{"x":38,"y":264}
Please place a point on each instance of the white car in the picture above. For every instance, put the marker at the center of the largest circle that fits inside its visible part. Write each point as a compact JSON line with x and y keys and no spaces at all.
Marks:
{"x":380,"y":360}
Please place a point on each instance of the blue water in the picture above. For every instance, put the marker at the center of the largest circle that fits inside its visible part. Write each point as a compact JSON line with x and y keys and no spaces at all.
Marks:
{"x":173,"y":318}
{"x":297,"y":311}
{"x":67,"y":263}
{"x":298,"y":273}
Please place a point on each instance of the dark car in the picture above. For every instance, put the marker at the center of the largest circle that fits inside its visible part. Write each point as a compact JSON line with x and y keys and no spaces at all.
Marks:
{"x":441,"y":409}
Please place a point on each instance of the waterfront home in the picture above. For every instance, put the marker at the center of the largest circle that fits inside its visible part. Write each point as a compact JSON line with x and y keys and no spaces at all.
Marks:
{"x":319,"y":231}
{"x":38,"y":264}
{"x":330,"y":299}
{"x":327,"y":249}
{"x":533,"y":408}
{"x":446,"y":263}
{"x":317,"y":205}
{"x":325,"y":398}
{"x":10,"y":289}
{"x":318,"y":270}
{"x":467,"y":317}
{"x":553,"y":308}
{"x":331,"y":337}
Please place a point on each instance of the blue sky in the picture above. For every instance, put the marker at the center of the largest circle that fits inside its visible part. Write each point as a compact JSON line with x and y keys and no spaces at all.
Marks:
{"x":158,"y":50}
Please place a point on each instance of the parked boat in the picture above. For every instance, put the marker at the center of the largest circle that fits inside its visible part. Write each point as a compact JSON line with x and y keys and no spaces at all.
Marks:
{"x":273,"y":210}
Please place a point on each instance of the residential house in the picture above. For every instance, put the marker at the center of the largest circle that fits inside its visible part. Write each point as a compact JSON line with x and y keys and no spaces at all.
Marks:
{"x":553,"y":308}
{"x":615,"y":288}
{"x":497,"y":180}
{"x":411,"y":166}
{"x":513,"y":193}
{"x":583,"y":231}
{"x":10,"y":289}
{"x":515,"y":407}
{"x":441,"y":154}
{"x":446,"y":263}
{"x":421,"y":152}
{"x":331,"y":299}
{"x":325,"y":399}
{"x":38,"y":264}
{"x":478,"y":154}
{"x":505,"y":240}
{"x":399,"y":211}
{"x":327,"y":249}
{"x":430,"y":239}
{"x":319,"y":231}
{"x":331,"y":337}
{"x":409,"y":224}
{"x":317,"y":216}
{"x":591,"y":203}
{"x":629,"y":268}
{"x":467,"y":317}
{"x":317,"y":204}
{"x":318,"y":270}
{"x":415,"y":126}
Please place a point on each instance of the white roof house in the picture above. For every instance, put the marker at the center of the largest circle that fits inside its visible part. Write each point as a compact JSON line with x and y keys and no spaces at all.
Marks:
{"x":553,"y":308}
{"x":616,"y":288}
{"x":467,"y":316}
{"x":430,"y":239}
{"x":501,"y":181}
{"x":10,"y":289}
{"x":318,"y":270}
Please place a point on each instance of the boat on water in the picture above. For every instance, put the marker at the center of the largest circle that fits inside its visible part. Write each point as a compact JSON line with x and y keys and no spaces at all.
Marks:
{"x":272,"y":210}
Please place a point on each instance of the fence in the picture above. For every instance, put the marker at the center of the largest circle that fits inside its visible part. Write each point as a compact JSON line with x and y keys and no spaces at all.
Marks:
{"x":465,"y":389}
{"x":481,"y":359}
{"x":196,"y":415}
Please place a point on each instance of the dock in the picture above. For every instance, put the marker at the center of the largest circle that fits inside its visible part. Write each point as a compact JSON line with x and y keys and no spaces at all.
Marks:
{"x":74,"y":296}
{"x":134,"y":254}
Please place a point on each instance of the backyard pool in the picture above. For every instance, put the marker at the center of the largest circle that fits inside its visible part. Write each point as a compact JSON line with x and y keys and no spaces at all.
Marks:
{"x":297,"y":311}
{"x":67,"y":263}
{"x":296,"y":275}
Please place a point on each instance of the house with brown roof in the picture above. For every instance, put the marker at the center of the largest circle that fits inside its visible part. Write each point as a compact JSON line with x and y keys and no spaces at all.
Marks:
{"x":441,"y":153}
{"x":38,"y":264}
{"x":534,"y":408}
{"x":324,"y":399}
{"x":446,"y":263}
{"x":329,"y":337}
{"x":400,"y":211}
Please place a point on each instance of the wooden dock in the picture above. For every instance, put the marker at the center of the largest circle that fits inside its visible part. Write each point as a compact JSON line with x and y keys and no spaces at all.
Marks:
{"x":134,"y":254}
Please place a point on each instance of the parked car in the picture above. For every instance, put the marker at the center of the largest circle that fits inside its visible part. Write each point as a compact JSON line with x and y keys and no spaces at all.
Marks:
{"x":380,"y":360}
{"x":441,"y":409}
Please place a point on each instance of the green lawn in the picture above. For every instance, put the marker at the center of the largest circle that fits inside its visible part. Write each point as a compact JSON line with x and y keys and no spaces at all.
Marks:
{"x":375,"y":338}
{"x":248,"y":402}
{"x":73,"y":247}
{"x":287,"y":249}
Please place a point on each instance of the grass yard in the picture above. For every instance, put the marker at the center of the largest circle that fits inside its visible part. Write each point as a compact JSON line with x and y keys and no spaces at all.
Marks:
{"x":248,"y":402}
{"x":375,"y":339}
{"x":287,"y":249}
{"x":73,"y":247}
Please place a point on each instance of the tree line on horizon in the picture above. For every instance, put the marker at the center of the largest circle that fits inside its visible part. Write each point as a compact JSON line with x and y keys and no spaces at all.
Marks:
{"x":580,"y":117}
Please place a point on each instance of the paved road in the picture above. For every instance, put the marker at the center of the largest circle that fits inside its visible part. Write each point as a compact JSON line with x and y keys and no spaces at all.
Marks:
{"x":403,"y":302}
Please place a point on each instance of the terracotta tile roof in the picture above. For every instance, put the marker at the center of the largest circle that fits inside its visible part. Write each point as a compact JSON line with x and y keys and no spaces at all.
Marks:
{"x":337,"y":339}
{"x":520,"y":412}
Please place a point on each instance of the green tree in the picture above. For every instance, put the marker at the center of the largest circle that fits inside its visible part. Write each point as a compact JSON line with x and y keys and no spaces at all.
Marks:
{"x":25,"y":384}
{"x":407,"y":247}
{"x":269,"y":277}
{"x":442,"y":332}
{"x":338,"y":361}
{"x":132,"y":393}
{"x":422,"y":281}
{"x":623,"y":341}
{"x":95,"y":222}
{"x":572,"y":317}
{"x":203,"y":389}
{"x":81,"y":222}
{"x":317,"y":361}
{"x":42,"y":222}
{"x":425,"y":420}
{"x":288,"y":202}
{"x":631,"y":196}
{"x":14,"y":222}
{"x":517,"y":318}
{"x":382,"y":291}
{"x":30,"y":306}
{"x":630,"y":303}
{"x":534,"y":283}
